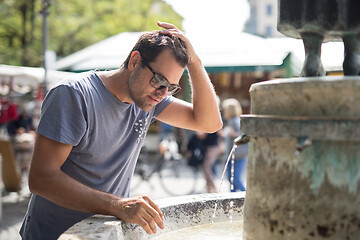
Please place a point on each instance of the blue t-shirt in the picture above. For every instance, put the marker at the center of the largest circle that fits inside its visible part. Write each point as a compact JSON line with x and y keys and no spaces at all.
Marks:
{"x":106,"y":135}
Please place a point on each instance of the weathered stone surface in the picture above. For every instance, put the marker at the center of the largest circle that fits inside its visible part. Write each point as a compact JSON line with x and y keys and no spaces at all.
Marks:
{"x":179,"y":212}
{"x":313,"y":193}
{"x":311,"y":96}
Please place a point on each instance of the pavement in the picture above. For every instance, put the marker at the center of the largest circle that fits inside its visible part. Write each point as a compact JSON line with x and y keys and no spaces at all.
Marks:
{"x":14,"y":205}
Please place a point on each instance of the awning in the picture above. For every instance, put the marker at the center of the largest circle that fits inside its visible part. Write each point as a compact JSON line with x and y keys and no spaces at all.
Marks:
{"x":218,"y":52}
{"x":26,"y":78}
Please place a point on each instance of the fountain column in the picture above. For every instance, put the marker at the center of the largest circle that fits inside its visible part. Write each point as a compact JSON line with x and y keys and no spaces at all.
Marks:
{"x":304,"y":159}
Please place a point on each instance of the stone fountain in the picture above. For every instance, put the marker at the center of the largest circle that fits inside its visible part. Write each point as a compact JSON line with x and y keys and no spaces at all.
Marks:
{"x":304,"y":161}
{"x":180,"y":212}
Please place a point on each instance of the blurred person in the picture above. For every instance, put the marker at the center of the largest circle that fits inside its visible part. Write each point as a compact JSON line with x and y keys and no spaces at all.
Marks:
{"x":24,"y":123}
{"x":170,"y":141}
{"x":196,"y":149}
{"x":211,"y":155}
{"x":10,"y":115}
{"x":169,"y":148}
{"x":181,"y":139}
{"x":231,"y":113}
{"x":92,"y":128}
{"x":165,"y":131}
{"x":21,"y":134}
{"x":23,"y":140}
{"x":165,"y":136}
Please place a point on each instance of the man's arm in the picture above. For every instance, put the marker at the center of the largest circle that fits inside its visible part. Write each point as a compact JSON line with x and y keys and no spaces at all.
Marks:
{"x":47,"y":179}
{"x":203,"y":114}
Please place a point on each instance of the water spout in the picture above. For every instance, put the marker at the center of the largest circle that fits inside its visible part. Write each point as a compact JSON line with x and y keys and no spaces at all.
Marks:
{"x":243,"y":139}
{"x":303,"y":143}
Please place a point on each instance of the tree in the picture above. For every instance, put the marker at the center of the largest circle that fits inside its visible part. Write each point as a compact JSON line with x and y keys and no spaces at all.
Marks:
{"x":17,"y":32}
{"x":73,"y":25}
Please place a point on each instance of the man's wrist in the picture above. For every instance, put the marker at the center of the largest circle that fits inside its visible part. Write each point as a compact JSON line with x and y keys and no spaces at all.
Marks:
{"x":194,"y":61}
{"x":109,"y":205}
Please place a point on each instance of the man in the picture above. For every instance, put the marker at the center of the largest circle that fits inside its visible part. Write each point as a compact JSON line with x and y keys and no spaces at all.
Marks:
{"x":92,"y":128}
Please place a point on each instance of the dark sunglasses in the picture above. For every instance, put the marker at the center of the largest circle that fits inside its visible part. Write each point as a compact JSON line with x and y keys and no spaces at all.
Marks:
{"x":159,"y":82}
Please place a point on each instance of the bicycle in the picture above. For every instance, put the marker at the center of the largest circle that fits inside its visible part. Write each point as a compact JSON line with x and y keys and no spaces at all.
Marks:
{"x":171,"y":167}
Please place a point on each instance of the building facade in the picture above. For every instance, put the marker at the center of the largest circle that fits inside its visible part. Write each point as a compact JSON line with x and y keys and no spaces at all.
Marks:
{"x":263,"y":18}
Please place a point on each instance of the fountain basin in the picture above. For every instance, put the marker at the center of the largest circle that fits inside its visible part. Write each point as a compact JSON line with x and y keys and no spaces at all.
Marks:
{"x":304,"y":159}
{"x":180,"y":212}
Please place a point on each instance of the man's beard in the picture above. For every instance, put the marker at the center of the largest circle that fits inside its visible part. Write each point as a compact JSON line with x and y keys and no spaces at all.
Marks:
{"x":139,"y":99}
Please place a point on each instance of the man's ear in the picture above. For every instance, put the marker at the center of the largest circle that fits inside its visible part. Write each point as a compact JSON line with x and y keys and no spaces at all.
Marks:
{"x":135,"y":59}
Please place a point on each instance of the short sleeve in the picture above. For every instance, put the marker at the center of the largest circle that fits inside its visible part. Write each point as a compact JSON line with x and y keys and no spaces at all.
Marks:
{"x":162,"y":105}
{"x":63,"y":116}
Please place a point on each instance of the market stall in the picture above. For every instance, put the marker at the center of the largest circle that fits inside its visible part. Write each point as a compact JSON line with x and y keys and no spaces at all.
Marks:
{"x":21,"y":95}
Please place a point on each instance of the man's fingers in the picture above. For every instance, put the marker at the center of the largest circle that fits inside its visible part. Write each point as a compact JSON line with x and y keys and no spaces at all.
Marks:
{"x":170,"y":29}
{"x":155,"y":206}
{"x":155,"y":212}
{"x":144,"y":224}
{"x":150,"y":223}
{"x":166,"y":25}
{"x":143,"y":211}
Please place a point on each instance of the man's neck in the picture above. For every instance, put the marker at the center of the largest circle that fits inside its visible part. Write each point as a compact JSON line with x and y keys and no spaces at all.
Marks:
{"x":116,"y":81}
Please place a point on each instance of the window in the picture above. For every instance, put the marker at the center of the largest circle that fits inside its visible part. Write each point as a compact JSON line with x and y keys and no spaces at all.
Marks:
{"x":269,"y":31}
{"x":269,"y":10}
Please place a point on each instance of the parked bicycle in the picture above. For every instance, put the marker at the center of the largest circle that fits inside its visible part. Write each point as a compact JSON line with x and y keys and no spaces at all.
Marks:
{"x":171,"y":168}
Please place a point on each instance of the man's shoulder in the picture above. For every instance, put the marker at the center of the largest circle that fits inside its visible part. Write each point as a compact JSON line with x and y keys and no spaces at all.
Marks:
{"x":78,"y":82}
{"x":78,"y":78}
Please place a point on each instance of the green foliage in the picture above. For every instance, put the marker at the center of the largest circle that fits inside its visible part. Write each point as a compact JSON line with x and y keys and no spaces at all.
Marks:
{"x":18,"y":38}
{"x":73,"y":25}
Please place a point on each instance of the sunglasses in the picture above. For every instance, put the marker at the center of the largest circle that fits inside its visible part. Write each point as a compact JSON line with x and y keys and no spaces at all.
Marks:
{"x":159,"y":82}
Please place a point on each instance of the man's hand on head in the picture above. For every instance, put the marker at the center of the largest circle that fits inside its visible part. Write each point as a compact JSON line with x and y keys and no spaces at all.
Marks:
{"x":172,"y":30}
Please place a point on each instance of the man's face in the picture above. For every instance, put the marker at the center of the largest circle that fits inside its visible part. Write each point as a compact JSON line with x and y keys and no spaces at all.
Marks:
{"x":141,"y":92}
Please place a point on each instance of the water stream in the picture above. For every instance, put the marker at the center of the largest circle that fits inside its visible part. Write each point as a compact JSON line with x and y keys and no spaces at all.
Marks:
{"x":226,"y":230}
{"x":232,"y":157}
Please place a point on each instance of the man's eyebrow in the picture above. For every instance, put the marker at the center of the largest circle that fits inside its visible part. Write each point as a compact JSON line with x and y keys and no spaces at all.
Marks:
{"x":161,"y":75}
{"x":156,"y":72}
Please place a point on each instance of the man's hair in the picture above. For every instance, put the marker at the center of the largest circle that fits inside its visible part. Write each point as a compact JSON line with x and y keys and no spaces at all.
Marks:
{"x":151,"y":44}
